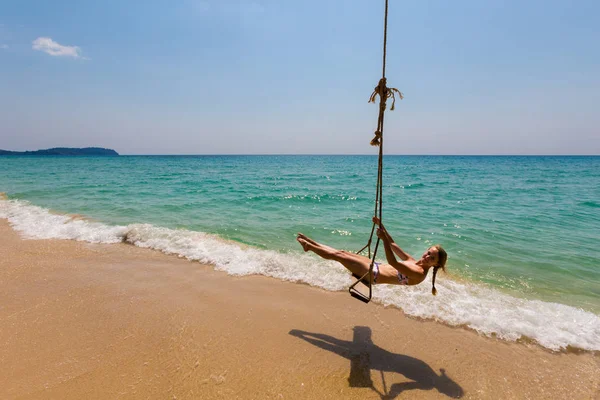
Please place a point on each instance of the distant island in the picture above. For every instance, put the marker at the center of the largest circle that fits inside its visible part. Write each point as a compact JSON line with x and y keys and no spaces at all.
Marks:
{"x":63,"y":151}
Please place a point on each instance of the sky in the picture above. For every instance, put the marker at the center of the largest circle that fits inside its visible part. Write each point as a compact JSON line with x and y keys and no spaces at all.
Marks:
{"x":294,"y":77}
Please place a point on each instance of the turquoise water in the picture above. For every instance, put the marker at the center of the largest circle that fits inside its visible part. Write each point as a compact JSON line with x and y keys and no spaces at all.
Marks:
{"x":526,"y":227}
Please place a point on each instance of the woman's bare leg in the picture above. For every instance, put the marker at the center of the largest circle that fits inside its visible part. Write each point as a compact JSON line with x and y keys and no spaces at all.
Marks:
{"x":355,"y":263}
{"x":320,"y":246}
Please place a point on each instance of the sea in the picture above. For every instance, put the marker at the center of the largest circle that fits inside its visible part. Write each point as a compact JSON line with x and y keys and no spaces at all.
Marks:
{"x":522,"y":232}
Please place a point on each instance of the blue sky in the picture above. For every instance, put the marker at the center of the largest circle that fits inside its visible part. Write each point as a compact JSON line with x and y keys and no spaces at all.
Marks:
{"x":265,"y":76}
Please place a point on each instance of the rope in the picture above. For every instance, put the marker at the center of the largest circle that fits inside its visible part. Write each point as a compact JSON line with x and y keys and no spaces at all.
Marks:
{"x":385,"y":18}
{"x":384,"y":94}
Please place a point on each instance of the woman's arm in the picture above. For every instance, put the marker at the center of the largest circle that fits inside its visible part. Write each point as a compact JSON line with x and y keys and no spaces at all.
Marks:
{"x":401,"y":253}
{"x":395,"y":248}
{"x":404,"y":269}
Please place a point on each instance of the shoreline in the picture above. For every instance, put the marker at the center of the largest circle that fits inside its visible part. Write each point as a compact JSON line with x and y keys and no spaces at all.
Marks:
{"x":84,"y":320}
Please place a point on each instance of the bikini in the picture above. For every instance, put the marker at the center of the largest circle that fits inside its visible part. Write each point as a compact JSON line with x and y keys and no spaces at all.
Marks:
{"x":403,"y":279}
{"x":375,"y":271}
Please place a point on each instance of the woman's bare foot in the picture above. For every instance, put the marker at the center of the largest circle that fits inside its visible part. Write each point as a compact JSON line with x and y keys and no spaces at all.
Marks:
{"x":306,"y":238}
{"x":303,"y":242}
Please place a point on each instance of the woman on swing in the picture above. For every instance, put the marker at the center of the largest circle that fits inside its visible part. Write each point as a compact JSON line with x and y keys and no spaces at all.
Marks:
{"x":409,"y":271}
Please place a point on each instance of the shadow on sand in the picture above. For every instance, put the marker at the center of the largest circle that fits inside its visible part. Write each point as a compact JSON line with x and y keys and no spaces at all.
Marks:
{"x":365,"y":356}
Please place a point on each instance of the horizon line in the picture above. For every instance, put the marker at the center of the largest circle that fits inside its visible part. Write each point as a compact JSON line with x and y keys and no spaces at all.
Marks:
{"x":359,"y":154}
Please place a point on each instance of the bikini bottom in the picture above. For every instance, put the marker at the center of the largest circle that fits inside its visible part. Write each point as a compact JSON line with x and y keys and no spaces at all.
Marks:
{"x":402,"y":279}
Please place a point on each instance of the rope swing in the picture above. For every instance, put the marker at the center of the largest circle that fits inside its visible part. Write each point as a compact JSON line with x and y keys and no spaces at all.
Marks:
{"x":384,"y":93}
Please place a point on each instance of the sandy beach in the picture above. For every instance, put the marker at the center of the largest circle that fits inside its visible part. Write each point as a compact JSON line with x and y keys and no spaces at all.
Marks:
{"x":81,"y":320}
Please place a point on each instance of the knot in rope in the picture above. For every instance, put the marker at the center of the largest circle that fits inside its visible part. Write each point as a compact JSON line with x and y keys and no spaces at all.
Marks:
{"x":385,"y":93}
{"x":376,"y":141}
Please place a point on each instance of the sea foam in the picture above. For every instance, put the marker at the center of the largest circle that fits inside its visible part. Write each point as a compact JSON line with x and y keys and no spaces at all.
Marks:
{"x":486,"y":310}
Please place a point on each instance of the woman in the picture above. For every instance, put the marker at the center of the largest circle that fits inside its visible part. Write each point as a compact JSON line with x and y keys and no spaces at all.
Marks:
{"x":409,"y":271}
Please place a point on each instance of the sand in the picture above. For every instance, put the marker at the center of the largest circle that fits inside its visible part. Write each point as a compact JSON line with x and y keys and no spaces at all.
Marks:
{"x":91,"y":321}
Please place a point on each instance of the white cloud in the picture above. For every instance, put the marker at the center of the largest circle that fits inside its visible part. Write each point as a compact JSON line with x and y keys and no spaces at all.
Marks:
{"x":3,"y":46}
{"x":49,"y":46}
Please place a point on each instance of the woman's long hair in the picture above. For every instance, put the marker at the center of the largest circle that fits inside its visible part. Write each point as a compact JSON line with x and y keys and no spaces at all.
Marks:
{"x":442,"y":258}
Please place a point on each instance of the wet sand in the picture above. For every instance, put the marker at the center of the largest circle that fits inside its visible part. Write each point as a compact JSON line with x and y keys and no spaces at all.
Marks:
{"x":89,"y":321}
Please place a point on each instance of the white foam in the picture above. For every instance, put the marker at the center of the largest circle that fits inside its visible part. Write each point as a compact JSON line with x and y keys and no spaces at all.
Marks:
{"x":554,"y":326}
{"x":38,"y":223}
{"x":237,"y":260}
